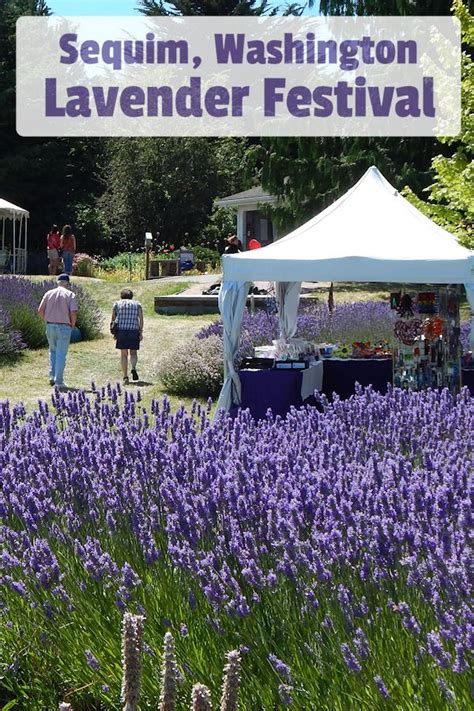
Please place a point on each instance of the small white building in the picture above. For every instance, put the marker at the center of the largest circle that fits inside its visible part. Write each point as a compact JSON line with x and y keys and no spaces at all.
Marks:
{"x":252,"y":223}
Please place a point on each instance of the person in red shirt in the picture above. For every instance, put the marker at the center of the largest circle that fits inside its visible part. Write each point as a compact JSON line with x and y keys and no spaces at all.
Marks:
{"x":68,"y":245}
{"x":53,"y":241}
{"x":254,"y":244}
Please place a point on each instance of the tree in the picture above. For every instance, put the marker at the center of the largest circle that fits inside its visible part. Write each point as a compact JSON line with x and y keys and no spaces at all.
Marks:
{"x":205,"y":7}
{"x":46,"y":176}
{"x":307,"y":174}
{"x":167,"y":185}
{"x":451,"y":195}
{"x":385,"y":7}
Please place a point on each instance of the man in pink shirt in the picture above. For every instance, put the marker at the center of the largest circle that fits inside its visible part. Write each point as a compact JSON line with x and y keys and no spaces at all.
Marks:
{"x":58,"y":308}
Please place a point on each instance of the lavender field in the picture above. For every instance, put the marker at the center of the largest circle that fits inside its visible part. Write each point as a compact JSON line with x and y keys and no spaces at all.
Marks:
{"x":20,"y":325}
{"x":330,"y":548}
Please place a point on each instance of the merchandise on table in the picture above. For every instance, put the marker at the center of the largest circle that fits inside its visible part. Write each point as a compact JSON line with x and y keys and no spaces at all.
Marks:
{"x":427,"y":351}
{"x":299,"y":353}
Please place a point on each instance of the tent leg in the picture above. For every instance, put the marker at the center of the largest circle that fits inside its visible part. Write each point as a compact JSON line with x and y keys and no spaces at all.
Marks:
{"x":19,"y":263}
{"x":331,"y":298}
{"x":14,"y":246}
{"x":26,"y":245}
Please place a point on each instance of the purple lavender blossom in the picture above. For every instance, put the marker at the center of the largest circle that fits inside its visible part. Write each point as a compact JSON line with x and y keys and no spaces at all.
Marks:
{"x":379,"y":683}
{"x":447,"y":693}
{"x":361,"y":644}
{"x":437,"y":651}
{"x":281,"y":668}
{"x":377,"y":484}
{"x":92,"y":661}
{"x":284,"y":694}
{"x":350,"y":659}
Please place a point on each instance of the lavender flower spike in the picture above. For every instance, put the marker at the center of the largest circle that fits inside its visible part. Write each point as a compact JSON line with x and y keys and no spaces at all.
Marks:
{"x":65,"y":707}
{"x":231,"y":683}
{"x":381,"y":687}
{"x":201,"y":698}
{"x":168,"y":675}
{"x":132,"y":642}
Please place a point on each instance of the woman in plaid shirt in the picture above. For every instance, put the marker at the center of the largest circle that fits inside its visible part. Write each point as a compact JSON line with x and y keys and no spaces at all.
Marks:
{"x":127,"y":315}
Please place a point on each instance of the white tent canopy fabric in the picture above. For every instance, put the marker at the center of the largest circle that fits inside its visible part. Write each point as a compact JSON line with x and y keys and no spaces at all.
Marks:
{"x":13,"y":248}
{"x":11,"y":211}
{"x":371,"y":234}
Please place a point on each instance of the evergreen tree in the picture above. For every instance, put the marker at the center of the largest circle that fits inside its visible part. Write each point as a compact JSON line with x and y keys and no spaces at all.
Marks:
{"x":385,"y":7}
{"x":307,"y":174}
{"x":167,"y":185}
{"x":205,"y":7}
{"x":451,"y":195}
{"x":49,"y":177}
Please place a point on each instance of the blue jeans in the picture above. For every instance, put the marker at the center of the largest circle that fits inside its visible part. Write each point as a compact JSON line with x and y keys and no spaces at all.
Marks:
{"x":58,"y":336}
{"x":67,"y":259}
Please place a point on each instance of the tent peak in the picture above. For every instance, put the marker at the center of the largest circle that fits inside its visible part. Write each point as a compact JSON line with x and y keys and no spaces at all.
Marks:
{"x":371,"y":233}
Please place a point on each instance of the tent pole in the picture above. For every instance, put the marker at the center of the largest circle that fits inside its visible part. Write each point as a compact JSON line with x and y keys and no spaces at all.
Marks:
{"x":331,"y":298}
{"x":20,"y":258}
{"x":14,"y":245}
{"x":26,"y":244}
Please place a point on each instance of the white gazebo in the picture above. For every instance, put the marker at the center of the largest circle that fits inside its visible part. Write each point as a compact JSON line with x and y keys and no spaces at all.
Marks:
{"x":370,"y":234}
{"x":14,"y":246}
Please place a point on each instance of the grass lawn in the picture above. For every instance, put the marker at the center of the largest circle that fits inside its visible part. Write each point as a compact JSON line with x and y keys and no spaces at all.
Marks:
{"x":26,"y":380}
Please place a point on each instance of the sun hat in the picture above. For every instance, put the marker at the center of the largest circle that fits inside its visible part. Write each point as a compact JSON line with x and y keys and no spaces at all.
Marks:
{"x":63,"y":277}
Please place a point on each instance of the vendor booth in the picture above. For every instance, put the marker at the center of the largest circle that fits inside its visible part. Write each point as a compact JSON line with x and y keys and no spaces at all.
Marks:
{"x":14,"y":238}
{"x":371,"y":234}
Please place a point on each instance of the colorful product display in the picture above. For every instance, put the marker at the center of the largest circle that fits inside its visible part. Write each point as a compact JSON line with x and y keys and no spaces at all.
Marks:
{"x":427,"y":352}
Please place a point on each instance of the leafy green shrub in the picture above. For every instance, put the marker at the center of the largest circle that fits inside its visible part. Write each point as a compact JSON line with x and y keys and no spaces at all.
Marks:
{"x":123,"y":261}
{"x":221,"y":222}
{"x":126,"y":266}
{"x":20,"y":298}
{"x":89,"y":316}
{"x":196,"y":369}
{"x":207,"y":255}
{"x":11,"y":341}
{"x":83,"y":265}
{"x":173,"y":254}
{"x":29,"y":324}
{"x":92,"y":226}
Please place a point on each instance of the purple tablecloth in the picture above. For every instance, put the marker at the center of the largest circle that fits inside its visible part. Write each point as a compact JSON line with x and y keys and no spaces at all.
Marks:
{"x":340,"y":376}
{"x":274,"y":389}
{"x":278,"y":390}
{"x":468,"y":379}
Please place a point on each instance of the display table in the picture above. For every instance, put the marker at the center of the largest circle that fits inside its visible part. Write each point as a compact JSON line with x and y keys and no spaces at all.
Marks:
{"x":467,"y":379}
{"x":278,"y":389}
{"x":340,"y":375}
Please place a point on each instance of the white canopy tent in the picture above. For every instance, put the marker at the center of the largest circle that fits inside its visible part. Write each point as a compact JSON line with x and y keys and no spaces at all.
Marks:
{"x":14,"y":243}
{"x":370,"y":234}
